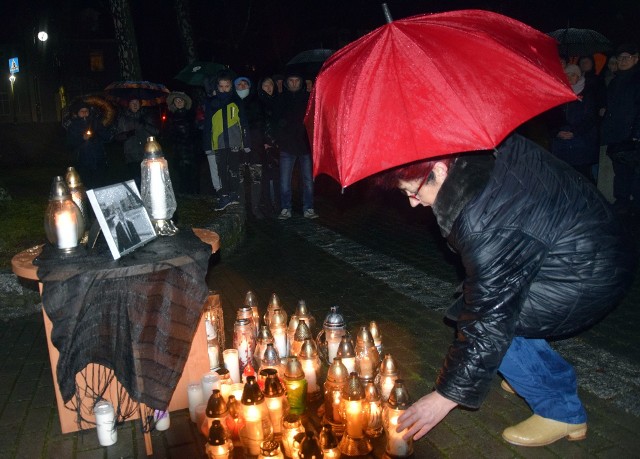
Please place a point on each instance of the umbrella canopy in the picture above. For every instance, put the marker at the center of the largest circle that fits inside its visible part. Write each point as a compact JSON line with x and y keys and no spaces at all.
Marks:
{"x":427,"y":86}
{"x":309,"y":62}
{"x":148,"y":93}
{"x":195,"y":73}
{"x":581,"y":42}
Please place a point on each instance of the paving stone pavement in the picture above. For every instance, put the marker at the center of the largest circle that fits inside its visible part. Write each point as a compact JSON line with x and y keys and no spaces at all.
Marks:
{"x":378,"y":260}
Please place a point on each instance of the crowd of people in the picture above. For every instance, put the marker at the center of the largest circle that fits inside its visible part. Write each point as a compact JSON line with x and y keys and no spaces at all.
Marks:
{"x":599,"y":133}
{"x":253,"y":135}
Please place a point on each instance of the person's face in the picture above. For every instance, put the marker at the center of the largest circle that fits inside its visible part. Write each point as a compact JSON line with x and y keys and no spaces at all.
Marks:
{"x":83,"y":112}
{"x":224,"y":86}
{"x":626,"y":61}
{"x":178,"y":102}
{"x":242,"y":84}
{"x":294,"y":84}
{"x":613,"y":64}
{"x":573,"y":78}
{"x":267,"y":86}
{"x":134,"y":105}
{"x":585,"y":65}
{"x":423,"y":191}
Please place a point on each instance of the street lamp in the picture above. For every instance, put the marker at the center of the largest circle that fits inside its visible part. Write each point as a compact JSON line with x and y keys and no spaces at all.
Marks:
{"x":43,"y":36}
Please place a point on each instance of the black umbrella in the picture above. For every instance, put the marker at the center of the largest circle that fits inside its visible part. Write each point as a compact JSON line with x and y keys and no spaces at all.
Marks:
{"x":581,"y":42}
{"x":309,"y":62}
{"x":197,"y":72}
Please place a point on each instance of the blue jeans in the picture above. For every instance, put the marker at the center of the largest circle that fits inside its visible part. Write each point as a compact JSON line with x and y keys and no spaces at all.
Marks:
{"x":544,"y":379}
{"x":287,"y":161}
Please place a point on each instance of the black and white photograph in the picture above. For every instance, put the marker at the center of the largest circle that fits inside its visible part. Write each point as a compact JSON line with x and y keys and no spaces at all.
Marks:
{"x":123,"y":219}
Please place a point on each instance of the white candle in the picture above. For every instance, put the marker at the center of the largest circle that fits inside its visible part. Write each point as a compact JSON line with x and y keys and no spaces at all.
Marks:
{"x":66,"y":229}
{"x":214,"y":357}
{"x":310,"y":375}
{"x":195,"y":397}
{"x":396,"y":445}
{"x":162,"y":419}
{"x":274,"y":405}
{"x":231,"y":362}
{"x":217,"y":451}
{"x":157,"y":189}
{"x":386,"y":385}
{"x":201,"y":414}
{"x":225,"y":391}
{"x":105,"y":423}
{"x":251,"y":433}
{"x":209,"y":382}
{"x":333,"y":348}
{"x":280,"y":342}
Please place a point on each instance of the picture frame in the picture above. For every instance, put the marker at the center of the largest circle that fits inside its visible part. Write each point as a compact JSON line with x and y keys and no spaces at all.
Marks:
{"x":123,"y":219}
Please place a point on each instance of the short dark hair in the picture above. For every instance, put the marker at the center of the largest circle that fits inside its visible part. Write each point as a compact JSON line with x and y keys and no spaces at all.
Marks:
{"x":390,"y":178}
{"x":224,"y":75}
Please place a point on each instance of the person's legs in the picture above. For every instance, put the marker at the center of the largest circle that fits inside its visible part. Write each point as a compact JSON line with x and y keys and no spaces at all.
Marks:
{"x":622,"y":184}
{"x":233,"y":167}
{"x":544,"y":379}
{"x":287,"y":161}
{"x":213,"y":171}
{"x":306,"y":173}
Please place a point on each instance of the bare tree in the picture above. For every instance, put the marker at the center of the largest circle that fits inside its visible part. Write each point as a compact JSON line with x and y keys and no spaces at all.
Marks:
{"x":186,"y":32}
{"x":125,"y":37}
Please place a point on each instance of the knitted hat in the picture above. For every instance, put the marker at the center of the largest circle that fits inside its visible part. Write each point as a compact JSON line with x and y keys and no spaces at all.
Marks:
{"x":630,"y":48}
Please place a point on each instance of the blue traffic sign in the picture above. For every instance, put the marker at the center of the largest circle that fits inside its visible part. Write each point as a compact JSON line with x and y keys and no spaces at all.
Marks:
{"x":14,"y":66}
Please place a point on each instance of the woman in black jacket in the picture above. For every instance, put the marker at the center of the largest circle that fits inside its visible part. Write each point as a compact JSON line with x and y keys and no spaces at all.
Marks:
{"x":544,"y":258}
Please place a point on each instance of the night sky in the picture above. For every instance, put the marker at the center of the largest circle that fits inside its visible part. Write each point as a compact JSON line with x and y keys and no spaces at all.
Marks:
{"x":258,"y":37}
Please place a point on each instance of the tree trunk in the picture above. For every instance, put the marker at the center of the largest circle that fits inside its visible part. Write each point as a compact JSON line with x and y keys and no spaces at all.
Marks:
{"x":184,"y":26}
{"x":125,"y":36}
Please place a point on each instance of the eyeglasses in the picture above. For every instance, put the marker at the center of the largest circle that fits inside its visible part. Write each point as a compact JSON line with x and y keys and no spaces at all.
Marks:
{"x":625,"y":58}
{"x":415,"y":195}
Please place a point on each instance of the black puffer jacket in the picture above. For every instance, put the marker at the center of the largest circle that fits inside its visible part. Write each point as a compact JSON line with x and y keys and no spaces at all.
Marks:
{"x":543,"y":253}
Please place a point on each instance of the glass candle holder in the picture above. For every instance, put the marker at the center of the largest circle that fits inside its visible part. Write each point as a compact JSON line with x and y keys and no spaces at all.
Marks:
{"x":334,"y":387}
{"x":303,"y":313}
{"x":251,"y":301}
{"x":275,"y":399}
{"x":296,"y":386}
{"x":213,"y":322}
{"x":224,"y":382}
{"x":257,"y":423}
{"x":302,"y":333}
{"x":156,"y":188}
{"x":291,"y":426}
{"x":386,"y":377}
{"x":310,"y":363}
{"x":398,"y":402}
{"x":270,"y":449}
{"x":63,"y":221}
{"x":375,"y":334}
{"x":274,"y":303}
{"x":218,"y":445}
{"x":278,"y":328}
{"x":347,"y":353}
{"x":328,"y":442}
{"x":355,"y":410}
{"x":372,"y":397}
{"x":367,"y":357}
{"x":328,"y":340}
{"x":244,"y":340}
{"x":79,"y":195}
{"x":264,"y":337}
{"x":217,"y":410}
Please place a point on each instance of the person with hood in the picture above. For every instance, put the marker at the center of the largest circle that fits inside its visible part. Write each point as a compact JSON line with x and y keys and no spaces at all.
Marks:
{"x":181,"y":130}
{"x":544,"y":258}
{"x":133,"y":128}
{"x":294,"y":146}
{"x":86,"y":136}
{"x":223,"y":137}
{"x":250,"y":158}
{"x":621,"y":130}
{"x":574,"y":126}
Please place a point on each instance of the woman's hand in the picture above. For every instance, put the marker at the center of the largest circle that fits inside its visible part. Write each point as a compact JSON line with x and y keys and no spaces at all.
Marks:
{"x":424,"y":415}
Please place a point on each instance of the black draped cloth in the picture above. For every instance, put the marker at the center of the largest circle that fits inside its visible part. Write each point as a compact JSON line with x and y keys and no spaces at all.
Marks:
{"x":135,"y":316}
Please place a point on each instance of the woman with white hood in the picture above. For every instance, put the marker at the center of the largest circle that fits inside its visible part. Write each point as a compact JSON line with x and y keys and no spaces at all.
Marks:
{"x":574,"y":126}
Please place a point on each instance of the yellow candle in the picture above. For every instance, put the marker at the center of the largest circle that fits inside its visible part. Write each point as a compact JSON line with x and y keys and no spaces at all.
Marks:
{"x":354,"y":418}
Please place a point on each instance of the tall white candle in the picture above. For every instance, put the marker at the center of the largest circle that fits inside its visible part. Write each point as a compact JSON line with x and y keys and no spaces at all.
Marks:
{"x":157,"y":189}
{"x":333,"y":348}
{"x":396,"y":445}
{"x":105,"y":423}
{"x":66,"y":229}
{"x":251,"y":433}
{"x":280,"y":342}
{"x":195,"y":398}
{"x":349,"y":363}
{"x":274,"y":405}
{"x":231,"y":362}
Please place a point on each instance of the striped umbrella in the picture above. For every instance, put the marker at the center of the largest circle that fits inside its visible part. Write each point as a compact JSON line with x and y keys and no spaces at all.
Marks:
{"x":149,"y":94}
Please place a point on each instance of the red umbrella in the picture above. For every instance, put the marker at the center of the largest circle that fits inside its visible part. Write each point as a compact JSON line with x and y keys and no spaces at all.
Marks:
{"x":427,"y":86}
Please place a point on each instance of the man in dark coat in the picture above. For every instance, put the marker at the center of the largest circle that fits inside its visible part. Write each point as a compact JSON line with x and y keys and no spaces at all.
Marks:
{"x":544,"y":257}
{"x":621,"y":129}
{"x":294,"y":146}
